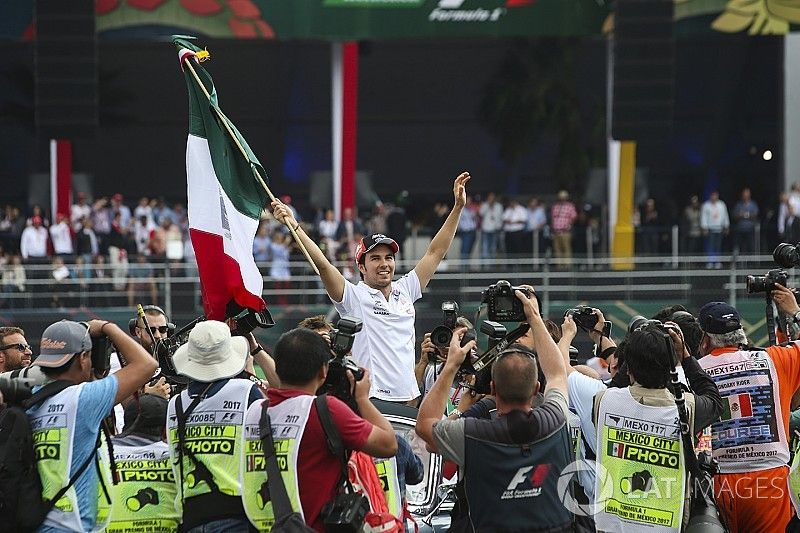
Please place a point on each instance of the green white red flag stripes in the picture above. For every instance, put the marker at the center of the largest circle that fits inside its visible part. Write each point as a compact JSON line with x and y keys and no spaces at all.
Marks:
{"x":225,"y":201}
{"x":737,"y":406}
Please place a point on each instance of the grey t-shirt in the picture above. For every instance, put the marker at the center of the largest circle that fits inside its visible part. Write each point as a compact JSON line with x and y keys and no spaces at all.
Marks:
{"x":449,"y":434}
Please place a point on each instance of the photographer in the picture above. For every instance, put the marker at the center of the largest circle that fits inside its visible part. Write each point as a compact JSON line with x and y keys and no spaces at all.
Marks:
{"x":504,"y":461}
{"x":146,"y":491}
{"x":313,"y":475}
{"x":65,"y":358}
{"x":204,"y":428}
{"x":646,"y":460}
{"x":427,"y":371}
{"x":386,"y":307}
{"x":751,"y":439}
{"x":15,"y":352}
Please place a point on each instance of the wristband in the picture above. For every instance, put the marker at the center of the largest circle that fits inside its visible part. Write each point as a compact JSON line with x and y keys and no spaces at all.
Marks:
{"x":257,"y":349}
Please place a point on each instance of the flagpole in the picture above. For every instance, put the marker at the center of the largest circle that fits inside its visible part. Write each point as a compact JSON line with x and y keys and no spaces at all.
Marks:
{"x":256,"y":173}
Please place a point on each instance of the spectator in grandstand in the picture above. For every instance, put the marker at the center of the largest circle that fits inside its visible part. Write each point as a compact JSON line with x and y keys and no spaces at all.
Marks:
{"x":261,"y":243}
{"x":207,"y":417}
{"x":385,"y":347}
{"x":301,"y":359}
{"x":537,"y":222}
{"x":515,"y":220}
{"x":690,"y":227}
{"x":467,"y":228}
{"x":750,"y":440}
{"x":715,"y":225}
{"x":745,"y":217}
{"x":650,"y":227}
{"x":279,"y":251}
{"x":511,"y":463}
{"x":37,"y":211}
{"x":65,"y":358}
{"x":377,"y":221}
{"x":79,"y":210}
{"x":11,"y":227}
{"x":143,"y":209}
{"x":791,"y":225}
{"x":650,"y":354}
{"x":491,"y":213}
{"x":142,"y":230}
{"x":33,"y":243}
{"x":145,"y":493}
{"x":14,"y":277}
{"x":348,"y":227}
{"x":101,"y":222}
{"x":61,"y":237}
{"x":119,"y":208}
{"x":562,"y":217}
{"x":15,"y":352}
{"x":86,"y":244}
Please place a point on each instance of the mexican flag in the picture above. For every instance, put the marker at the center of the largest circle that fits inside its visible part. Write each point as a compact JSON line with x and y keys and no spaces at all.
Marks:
{"x":616,"y":449}
{"x":737,"y":406}
{"x":224,"y":199}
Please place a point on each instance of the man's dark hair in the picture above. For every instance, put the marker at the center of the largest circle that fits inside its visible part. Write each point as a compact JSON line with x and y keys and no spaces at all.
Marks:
{"x":648,"y":355}
{"x":515,"y":377}
{"x":56,"y":371}
{"x":692,"y":334}
{"x":299,"y":354}
{"x":665,"y":313}
{"x":316,"y":323}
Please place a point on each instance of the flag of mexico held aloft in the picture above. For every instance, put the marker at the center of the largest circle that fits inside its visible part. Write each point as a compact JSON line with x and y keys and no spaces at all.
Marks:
{"x":225,"y":201}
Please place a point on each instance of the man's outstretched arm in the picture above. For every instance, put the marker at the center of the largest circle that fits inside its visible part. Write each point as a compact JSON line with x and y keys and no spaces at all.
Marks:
{"x":444,"y":237}
{"x":331,"y":277}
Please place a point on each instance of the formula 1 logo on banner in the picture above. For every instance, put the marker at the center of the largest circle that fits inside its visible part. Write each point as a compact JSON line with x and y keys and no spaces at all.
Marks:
{"x":454,"y":11}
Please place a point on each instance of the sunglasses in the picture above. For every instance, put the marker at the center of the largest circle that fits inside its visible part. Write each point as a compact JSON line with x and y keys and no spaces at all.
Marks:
{"x":161,"y":329}
{"x":21,"y":347}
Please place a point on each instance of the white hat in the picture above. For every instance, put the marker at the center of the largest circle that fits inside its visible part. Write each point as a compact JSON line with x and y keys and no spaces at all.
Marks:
{"x":211,"y":353}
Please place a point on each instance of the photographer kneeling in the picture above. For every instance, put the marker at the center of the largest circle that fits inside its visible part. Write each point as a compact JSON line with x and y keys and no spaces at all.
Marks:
{"x":70,"y":420}
{"x":301,"y":362}
{"x":511,"y":463}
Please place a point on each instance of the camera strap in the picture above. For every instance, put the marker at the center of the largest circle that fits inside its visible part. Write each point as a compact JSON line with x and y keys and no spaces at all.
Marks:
{"x":332,"y":437}
{"x":182,"y":448}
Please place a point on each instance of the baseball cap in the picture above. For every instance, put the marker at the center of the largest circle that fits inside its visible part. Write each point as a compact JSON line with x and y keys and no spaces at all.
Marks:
{"x":718,"y":318}
{"x":61,"y":341}
{"x":371,"y":241}
{"x":151,"y":410}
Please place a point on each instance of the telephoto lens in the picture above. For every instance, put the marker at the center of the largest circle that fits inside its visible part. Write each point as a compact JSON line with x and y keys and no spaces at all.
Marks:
{"x":786,"y":255}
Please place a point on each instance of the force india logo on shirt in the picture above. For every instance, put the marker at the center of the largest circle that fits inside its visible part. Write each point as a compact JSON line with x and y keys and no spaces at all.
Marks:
{"x":454,"y":11}
{"x":526,"y":476}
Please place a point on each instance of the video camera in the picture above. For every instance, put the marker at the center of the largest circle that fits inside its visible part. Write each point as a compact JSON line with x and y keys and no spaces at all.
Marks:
{"x":341,"y":340}
{"x":17,"y":386}
{"x":584,"y":316}
{"x":502,"y":304}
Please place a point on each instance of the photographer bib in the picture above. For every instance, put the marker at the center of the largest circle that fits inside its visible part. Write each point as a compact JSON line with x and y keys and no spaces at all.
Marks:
{"x":640,"y":447}
{"x":213,"y":433}
{"x":750,"y":434}
{"x":288,"y":420}
{"x":53,"y":428}
{"x":144,"y":498}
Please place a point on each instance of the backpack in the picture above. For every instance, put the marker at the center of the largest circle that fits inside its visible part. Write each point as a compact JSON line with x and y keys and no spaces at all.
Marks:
{"x":21,"y":503}
{"x":364,"y":477}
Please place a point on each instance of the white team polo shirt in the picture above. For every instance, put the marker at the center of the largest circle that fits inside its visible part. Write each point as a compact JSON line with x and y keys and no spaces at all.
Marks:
{"x":385,"y":345}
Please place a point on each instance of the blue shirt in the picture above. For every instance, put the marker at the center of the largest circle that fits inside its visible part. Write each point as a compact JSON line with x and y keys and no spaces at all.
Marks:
{"x":94,"y":404}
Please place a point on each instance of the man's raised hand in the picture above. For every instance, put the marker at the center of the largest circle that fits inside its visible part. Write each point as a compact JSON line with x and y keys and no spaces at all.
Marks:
{"x":457,"y":353}
{"x":460,"y":189}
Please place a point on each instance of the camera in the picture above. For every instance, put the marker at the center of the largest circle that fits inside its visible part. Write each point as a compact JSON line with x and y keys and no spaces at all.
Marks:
{"x":246,"y":320}
{"x":766,"y":283}
{"x":443,"y":334}
{"x":502,"y":304}
{"x":483,"y":378}
{"x":584,"y":316}
{"x":341,"y":340}
{"x":17,"y":386}
{"x":786,"y":255}
{"x":346,"y":513}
